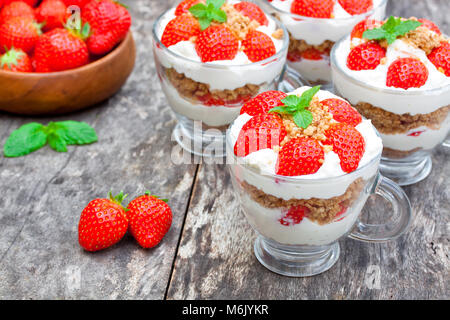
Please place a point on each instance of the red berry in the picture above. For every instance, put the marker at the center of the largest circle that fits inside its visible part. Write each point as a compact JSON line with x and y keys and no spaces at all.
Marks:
{"x":348,"y":143}
{"x":356,"y":6}
{"x":16,"y":9}
{"x":252,"y":11}
{"x":150,"y":219}
{"x":312,"y":54}
{"x":342,"y":111}
{"x":430,"y":25}
{"x":182,"y":28}
{"x":313,"y":8}
{"x":300,"y":156}
{"x":294,"y":215}
{"x":366,"y":56}
{"x":216,"y":42}
{"x":263,"y":102}
{"x":440,"y":57}
{"x":53,"y":13}
{"x":16,"y":60}
{"x":19,"y":33}
{"x":260,"y":132}
{"x":78,"y":3}
{"x":184,"y":6}
{"x":102,"y":224}
{"x":407,"y":73}
{"x":258,"y":46}
{"x":364,"y":25}
{"x":31,"y":3}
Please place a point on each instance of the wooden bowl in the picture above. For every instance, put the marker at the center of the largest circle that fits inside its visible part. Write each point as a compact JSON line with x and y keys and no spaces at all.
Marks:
{"x":71,"y":90}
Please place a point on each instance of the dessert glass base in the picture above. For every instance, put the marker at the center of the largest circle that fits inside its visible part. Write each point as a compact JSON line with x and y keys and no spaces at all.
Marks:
{"x":405,"y":173}
{"x":295,"y":260}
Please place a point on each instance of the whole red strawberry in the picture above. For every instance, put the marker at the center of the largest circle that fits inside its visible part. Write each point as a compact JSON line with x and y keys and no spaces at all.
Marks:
{"x":53,"y":13}
{"x":366,"y":56}
{"x":348,"y":143}
{"x":300,"y":156}
{"x":342,"y":111}
{"x":16,"y":9}
{"x":16,"y":60}
{"x":216,"y":42}
{"x":109,"y":23}
{"x":356,"y":6}
{"x":150,"y":219}
{"x":294,"y":216}
{"x":103,"y":223}
{"x":407,"y":73}
{"x":313,"y":8}
{"x":252,"y":11}
{"x":78,"y":3}
{"x":260,"y":132}
{"x":20,"y":33}
{"x":258,"y":46}
{"x":364,"y":25}
{"x":263,"y":102}
{"x":59,"y":50}
{"x":184,"y":6}
{"x":182,"y":28}
{"x":440,"y":57}
{"x":430,"y":25}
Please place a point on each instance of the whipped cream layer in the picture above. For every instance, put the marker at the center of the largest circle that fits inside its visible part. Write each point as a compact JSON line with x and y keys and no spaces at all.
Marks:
{"x":434,"y":95}
{"x":222,"y":74}
{"x":264,"y":164}
{"x":313,"y":70}
{"x":315,"y":30}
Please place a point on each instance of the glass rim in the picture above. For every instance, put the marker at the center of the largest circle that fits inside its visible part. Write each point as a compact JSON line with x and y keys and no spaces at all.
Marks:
{"x":264,"y":62}
{"x":293,"y":15}
{"x":237,"y":160}
{"x":335,"y":66}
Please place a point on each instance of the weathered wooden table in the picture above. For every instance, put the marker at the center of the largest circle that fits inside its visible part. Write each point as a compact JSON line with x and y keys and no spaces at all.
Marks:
{"x":208,"y":253}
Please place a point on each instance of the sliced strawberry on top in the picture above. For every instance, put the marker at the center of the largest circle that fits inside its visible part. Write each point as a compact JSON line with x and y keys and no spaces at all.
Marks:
{"x":252,"y":11}
{"x":430,"y":25}
{"x":342,"y":111}
{"x":366,"y":56}
{"x":364,"y":25}
{"x":182,"y":28}
{"x":216,"y":42}
{"x":348,"y":143}
{"x":313,"y":8}
{"x":260,"y":132}
{"x":184,"y":6}
{"x":300,"y":156}
{"x":262,"y":103}
{"x":258,"y":46}
{"x":356,"y":6}
{"x":407,"y":73}
{"x":440,"y":57}
{"x":294,"y":216}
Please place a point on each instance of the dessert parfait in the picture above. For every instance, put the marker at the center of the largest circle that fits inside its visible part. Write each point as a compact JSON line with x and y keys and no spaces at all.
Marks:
{"x":212,"y":56}
{"x":397,"y":73}
{"x":303,"y":165}
{"x":315,"y":25}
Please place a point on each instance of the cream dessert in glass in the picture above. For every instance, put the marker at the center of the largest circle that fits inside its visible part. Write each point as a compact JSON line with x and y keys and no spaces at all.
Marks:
{"x":303,"y":165}
{"x":212,"y":56}
{"x":397,"y":73}
{"x":315,"y":25}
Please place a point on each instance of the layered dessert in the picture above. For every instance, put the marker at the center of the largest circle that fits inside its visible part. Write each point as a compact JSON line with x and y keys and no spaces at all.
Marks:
{"x":303,"y":164}
{"x":315,"y":25}
{"x":397,"y":73}
{"x":214,"y":55}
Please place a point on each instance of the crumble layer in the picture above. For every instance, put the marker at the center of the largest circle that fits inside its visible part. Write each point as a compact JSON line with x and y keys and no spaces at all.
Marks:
{"x":297,"y":47}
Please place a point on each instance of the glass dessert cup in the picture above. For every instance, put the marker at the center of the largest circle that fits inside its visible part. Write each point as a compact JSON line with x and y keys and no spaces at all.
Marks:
{"x":408,"y":139}
{"x":334,"y":208}
{"x":320,"y":34}
{"x":204,"y":110}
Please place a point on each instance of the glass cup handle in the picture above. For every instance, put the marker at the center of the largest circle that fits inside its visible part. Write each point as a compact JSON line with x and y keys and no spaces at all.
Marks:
{"x":291,"y":80}
{"x":400,"y":218}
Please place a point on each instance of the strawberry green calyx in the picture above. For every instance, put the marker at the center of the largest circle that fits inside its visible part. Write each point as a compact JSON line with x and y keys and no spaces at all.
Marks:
{"x":148,"y":193}
{"x":82,"y":31}
{"x":208,"y":13}
{"x":11,"y":58}
{"x":39,"y":27}
{"x":392,"y":29}
{"x":297,"y":107}
{"x":117,"y":199}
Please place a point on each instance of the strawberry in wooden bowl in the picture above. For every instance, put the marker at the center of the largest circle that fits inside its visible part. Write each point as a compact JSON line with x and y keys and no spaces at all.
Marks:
{"x":80,"y":52}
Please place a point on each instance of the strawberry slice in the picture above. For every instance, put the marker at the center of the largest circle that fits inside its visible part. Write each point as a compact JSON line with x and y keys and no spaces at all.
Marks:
{"x":262,"y":103}
{"x":260,"y":132}
{"x":294,"y":216}
{"x":258,"y":46}
{"x":313,"y":8}
{"x":182,"y":28}
{"x":440,"y":57}
{"x":364,"y":25}
{"x":252,"y":11}
{"x":312,"y":54}
{"x":430,"y":25}
{"x":342,"y":111}
{"x":348,"y":143}
{"x":217,"y":42}
{"x":356,"y":6}
{"x":407,"y":73}
{"x":300,"y":156}
{"x":366,"y":56}
{"x":184,"y":6}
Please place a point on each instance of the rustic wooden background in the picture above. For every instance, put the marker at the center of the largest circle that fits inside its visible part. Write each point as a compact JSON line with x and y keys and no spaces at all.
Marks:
{"x":208,"y":253}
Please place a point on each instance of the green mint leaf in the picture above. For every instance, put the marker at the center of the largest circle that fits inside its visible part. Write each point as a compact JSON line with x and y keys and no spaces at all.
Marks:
{"x":57,"y":142}
{"x":205,"y":14}
{"x":216,"y":3}
{"x":281,"y":109}
{"x":375,"y":34}
{"x":199,"y":10}
{"x":76,"y":133}
{"x":303,"y":118}
{"x":291,"y":100}
{"x":391,"y":29}
{"x":305,"y":99}
{"x":28,"y":138}
{"x":204,"y":23}
{"x":406,"y":26}
{"x":219,"y":16}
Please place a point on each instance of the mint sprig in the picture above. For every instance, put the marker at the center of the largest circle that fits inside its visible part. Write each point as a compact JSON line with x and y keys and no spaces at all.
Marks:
{"x":208,"y":13}
{"x":58,"y":135}
{"x":296,"y":106}
{"x":392,"y":29}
